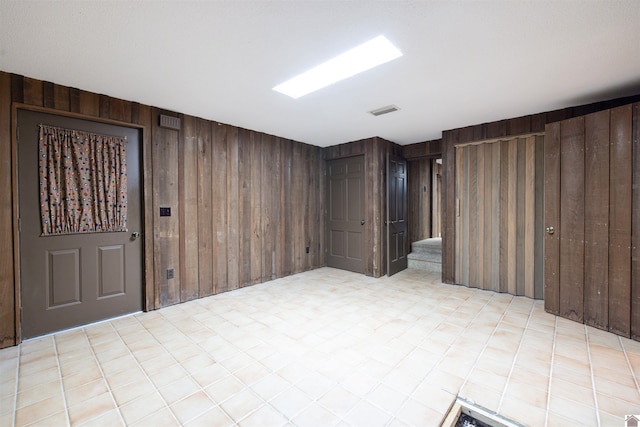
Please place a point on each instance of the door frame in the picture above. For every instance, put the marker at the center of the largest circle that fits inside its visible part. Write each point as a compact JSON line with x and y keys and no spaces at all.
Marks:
{"x":145,"y":204}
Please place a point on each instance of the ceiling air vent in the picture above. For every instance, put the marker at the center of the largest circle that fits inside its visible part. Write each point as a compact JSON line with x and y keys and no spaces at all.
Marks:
{"x":384,"y":110}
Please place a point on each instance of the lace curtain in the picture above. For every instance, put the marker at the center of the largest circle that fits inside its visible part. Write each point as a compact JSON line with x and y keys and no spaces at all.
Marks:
{"x":83,"y":182}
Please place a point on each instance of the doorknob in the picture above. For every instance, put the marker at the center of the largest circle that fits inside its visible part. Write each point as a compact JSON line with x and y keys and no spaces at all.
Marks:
{"x":550,"y":229}
{"x":362,"y":222}
{"x":135,"y":235}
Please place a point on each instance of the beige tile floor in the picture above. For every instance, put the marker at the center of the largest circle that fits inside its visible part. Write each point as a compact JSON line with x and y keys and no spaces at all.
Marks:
{"x":325,"y":348}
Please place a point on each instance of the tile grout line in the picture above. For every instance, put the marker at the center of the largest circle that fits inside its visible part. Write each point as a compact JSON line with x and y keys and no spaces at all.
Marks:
{"x":411,"y":394}
{"x":515,"y":358}
{"x":553,"y":354}
{"x":188,"y":337}
{"x":626,"y":356}
{"x":62,"y":388}
{"x":144,"y":372}
{"x":104,"y":378}
{"x":475,"y":363}
{"x":593,"y":380}
{"x":15,"y":389}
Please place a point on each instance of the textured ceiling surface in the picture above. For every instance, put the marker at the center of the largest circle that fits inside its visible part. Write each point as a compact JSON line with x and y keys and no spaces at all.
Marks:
{"x":465,"y":62}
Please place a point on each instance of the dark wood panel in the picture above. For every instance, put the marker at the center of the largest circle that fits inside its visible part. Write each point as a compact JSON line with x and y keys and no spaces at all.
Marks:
{"x":268,"y":223}
{"x":219,"y":199}
{"x":552,"y":218}
{"x":539,"y":219}
{"x":475,"y":204}
{"x":166,"y":229}
{"x":529,"y":216}
{"x":504,"y":216}
{"x":488,"y":206}
{"x":635,"y":226}
{"x":33,"y":92}
{"x":419,"y":188}
{"x":120,"y":109}
{"x":256,"y":208}
{"x":206,"y":237}
{"x":449,"y":208}
{"x":89,"y":104}
{"x":620,"y":221}
{"x":245,"y":141}
{"x":520,"y":215}
{"x":61,"y":98}
{"x":189,"y":212}
{"x":7,"y":297}
{"x":495,"y":219}
{"x":512,"y":216}
{"x":572,"y":219}
{"x":596,"y":220}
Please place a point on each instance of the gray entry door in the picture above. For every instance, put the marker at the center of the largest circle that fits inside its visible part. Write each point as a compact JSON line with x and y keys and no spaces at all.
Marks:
{"x":72,"y":280}
{"x":397,"y":243}
{"x":346,"y":225}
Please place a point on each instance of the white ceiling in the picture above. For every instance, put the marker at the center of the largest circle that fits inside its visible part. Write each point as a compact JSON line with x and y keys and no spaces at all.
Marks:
{"x":464,"y":63}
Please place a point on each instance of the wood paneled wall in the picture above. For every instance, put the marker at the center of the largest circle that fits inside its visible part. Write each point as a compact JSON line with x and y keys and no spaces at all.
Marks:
{"x":245,"y":205}
{"x":420,"y":199}
{"x":592,"y":184}
{"x":499,"y":220}
{"x":375,"y":152}
{"x":494,"y":130}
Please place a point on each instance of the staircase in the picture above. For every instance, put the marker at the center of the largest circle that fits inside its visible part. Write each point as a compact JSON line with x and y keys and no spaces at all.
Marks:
{"x":426,"y":255}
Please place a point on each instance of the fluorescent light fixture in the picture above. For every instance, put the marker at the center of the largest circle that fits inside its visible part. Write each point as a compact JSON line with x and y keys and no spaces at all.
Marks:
{"x":361,"y":58}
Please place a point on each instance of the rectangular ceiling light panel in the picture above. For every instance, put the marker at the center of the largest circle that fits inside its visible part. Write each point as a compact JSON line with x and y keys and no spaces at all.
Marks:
{"x":361,"y":58}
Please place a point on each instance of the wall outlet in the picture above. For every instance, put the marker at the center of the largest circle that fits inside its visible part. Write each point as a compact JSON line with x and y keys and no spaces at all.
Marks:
{"x":170,"y":273}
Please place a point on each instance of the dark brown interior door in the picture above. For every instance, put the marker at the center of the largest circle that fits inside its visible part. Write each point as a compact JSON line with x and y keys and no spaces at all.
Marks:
{"x":396,"y":215}
{"x":71,"y":280}
{"x":346,"y":225}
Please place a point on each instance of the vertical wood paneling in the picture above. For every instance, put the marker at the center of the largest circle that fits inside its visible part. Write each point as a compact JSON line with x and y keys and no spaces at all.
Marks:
{"x":552,"y":218}
{"x":245,"y":140}
{"x":89,"y":104}
{"x":256,"y":209}
{"x":635,"y":226}
{"x":529,"y":213}
{"x":189,"y":230}
{"x":61,"y":99}
{"x":233,"y":208}
{"x":33,"y":92}
{"x":504,"y":217}
{"x":457,"y":251}
{"x":419,"y":201}
{"x":205,"y":208}
{"x":166,"y":229}
{"x":474,"y":206}
{"x":520,"y":216}
{"x":539,"y":220}
{"x":449,"y":206}
{"x":7,"y":297}
{"x":512,"y":215}
{"x":495,"y":217}
{"x":572,"y":219}
{"x":480,"y":216}
{"x":620,"y":221}
{"x":489,"y":233}
{"x":596,"y":220}
{"x":219,"y":186}
{"x":267,"y":202}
